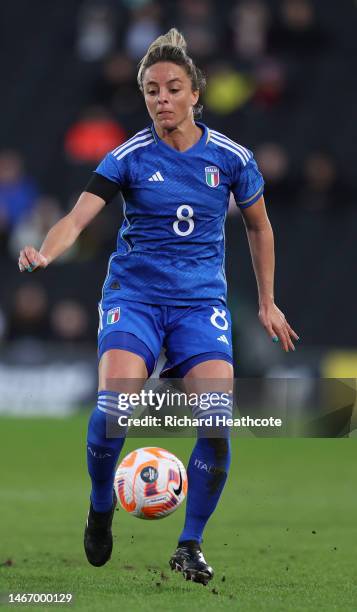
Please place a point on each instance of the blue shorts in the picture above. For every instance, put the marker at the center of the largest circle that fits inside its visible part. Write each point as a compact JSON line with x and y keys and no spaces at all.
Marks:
{"x":189,"y":334}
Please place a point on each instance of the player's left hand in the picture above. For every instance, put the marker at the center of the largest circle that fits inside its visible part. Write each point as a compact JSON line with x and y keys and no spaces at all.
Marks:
{"x":30,"y":259}
{"x":276,"y":325}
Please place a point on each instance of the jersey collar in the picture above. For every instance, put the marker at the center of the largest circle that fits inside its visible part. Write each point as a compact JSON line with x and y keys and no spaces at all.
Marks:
{"x":198,"y":146}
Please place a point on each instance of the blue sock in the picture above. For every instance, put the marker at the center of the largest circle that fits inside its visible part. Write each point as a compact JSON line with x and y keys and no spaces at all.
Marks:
{"x":207,"y":473}
{"x":102,"y":451}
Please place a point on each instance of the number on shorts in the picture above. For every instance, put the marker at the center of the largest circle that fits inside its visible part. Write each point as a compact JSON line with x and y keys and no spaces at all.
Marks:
{"x":218,"y":319}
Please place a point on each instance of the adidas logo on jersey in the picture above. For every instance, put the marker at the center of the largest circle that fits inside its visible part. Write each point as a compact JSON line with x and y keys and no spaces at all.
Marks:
{"x":156,"y":177}
{"x":223,"y":338}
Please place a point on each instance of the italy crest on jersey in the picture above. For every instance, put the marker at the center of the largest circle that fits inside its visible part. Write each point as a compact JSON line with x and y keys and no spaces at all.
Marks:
{"x":113,"y":315}
{"x":212,"y":176}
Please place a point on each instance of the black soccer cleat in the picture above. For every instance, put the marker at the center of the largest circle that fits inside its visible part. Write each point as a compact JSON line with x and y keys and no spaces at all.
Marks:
{"x":98,"y":539}
{"x":188,"y":559}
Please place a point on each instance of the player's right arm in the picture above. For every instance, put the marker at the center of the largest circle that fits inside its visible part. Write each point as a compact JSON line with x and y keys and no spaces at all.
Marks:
{"x":63,"y":234}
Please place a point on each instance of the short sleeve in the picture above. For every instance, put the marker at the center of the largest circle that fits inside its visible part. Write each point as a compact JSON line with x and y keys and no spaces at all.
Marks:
{"x":248,"y":186}
{"x":113,"y":169}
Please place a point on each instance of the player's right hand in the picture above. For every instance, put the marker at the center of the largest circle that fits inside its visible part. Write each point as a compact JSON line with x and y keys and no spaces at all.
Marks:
{"x":30,"y":259}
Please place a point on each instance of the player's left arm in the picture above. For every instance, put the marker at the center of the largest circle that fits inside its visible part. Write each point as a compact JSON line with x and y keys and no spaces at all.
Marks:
{"x":261,"y":244}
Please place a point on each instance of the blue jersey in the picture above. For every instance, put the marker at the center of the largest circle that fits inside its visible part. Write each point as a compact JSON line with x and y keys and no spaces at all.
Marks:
{"x":170,"y":247}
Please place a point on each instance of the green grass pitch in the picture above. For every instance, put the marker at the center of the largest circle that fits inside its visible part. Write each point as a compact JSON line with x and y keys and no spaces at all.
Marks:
{"x":283,"y":537}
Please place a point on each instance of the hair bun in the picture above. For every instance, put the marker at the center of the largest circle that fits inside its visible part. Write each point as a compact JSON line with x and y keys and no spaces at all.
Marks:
{"x":172,"y":38}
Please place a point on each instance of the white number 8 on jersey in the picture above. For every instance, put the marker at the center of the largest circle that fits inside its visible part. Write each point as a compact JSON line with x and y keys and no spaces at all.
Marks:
{"x":187,"y":217}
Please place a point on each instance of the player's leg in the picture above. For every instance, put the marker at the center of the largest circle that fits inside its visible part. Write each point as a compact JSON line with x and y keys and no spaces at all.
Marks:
{"x":200,"y":351}
{"x":128,"y":345}
{"x":120,"y":372}
{"x":208,"y":466}
{"x":210,"y":459}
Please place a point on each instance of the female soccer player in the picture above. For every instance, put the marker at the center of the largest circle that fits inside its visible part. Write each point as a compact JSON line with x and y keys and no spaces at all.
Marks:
{"x":165,"y":284}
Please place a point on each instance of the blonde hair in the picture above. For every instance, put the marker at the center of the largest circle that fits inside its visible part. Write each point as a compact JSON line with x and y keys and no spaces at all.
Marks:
{"x":172,"y":47}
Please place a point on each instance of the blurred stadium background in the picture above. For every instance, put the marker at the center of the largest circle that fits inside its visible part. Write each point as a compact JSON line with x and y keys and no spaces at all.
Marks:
{"x":280,"y":81}
{"x":280,"y":76}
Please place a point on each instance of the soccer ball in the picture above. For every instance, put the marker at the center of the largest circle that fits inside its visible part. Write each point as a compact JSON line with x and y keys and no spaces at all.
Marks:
{"x":150,"y":483}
